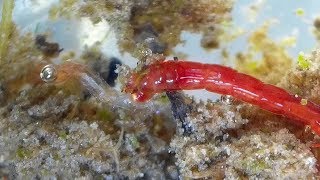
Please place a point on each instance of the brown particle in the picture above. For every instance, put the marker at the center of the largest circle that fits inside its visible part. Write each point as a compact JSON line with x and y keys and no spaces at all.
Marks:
{"x":316,"y":23}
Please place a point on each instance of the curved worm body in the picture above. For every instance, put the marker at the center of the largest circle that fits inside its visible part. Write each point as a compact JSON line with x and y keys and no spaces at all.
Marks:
{"x":184,"y":75}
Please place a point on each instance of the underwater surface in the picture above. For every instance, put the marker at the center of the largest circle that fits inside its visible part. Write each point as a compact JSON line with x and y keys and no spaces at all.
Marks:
{"x":120,"y":89}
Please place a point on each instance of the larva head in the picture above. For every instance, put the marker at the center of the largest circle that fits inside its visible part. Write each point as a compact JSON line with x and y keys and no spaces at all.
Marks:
{"x":135,"y":85}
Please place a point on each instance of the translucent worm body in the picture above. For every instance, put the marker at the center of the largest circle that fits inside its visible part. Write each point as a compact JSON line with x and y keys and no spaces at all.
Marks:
{"x":184,"y":75}
{"x":66,"y":74}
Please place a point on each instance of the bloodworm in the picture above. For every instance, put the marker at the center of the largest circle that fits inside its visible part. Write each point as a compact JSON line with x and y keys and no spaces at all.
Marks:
{"x":185,"y":75}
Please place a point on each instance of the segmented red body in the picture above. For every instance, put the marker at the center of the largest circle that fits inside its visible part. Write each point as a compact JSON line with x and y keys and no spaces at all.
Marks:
{"x":185,"y":75}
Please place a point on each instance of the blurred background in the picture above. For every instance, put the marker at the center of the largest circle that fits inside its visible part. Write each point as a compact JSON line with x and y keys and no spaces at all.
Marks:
{"x":288,"y":21}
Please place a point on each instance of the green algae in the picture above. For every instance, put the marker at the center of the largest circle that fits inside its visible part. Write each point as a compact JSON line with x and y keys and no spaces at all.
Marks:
{"x":300,"y":12}
{"x":6,"y":28}
{"x":255,"y":166}
{"x":63,"y":135}
{"x":23,"y":153}
{"x":259,"y":165}
{"x":303,"y":62}
{"x":56,"y":157}
{"x":105,"y":115}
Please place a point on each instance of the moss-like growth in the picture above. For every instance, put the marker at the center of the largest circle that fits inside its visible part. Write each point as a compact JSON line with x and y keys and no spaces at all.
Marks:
{"x":6,"y":27}
{"x":105,"y":115}
{"x":303,"y":62}
{"x":63,"y":135}
{"x":255,"y":166}
{"x":23,"y":153}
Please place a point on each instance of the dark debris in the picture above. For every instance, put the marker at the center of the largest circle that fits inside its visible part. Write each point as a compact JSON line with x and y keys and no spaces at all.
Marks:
{"x":180,"y":109}
{"x":47,"y":48}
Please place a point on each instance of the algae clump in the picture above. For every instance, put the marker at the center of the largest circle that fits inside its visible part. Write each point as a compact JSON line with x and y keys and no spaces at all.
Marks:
{"x":5,"y":28}
{"x":303,"y":63}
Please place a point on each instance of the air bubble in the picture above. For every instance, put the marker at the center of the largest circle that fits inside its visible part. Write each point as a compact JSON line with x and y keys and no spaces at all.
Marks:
{"x":48,"y":73}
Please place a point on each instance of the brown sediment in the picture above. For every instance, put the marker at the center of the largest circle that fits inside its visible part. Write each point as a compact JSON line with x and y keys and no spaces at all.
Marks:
{"x":162,"y":21}
{"x":47,"y":48}
{"x":316,"y":30}
{"x":266,"y":59}
{"x":316,"y":23}
{"x":170,"y":18}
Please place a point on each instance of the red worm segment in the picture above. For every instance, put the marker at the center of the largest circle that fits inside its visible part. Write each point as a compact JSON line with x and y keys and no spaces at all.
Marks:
{"x":185,"y":75}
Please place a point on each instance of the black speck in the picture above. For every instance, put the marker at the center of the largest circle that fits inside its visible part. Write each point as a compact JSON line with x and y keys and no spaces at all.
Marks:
{"x":106,"y":69}
{"x":112,"y":76}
